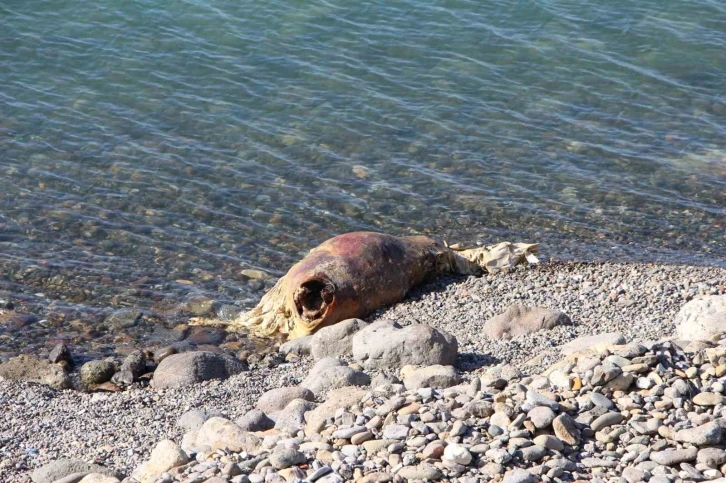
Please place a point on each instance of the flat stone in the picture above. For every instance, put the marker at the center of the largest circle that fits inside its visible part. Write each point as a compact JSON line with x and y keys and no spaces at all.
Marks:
{"x":361,"y":438}
{"x":395,"y":431}
{"x":436,"y":376}
{"x":606,"y":420}
{"x":598,"y":463}
{"x":704,"y":435}
{"x":325,"y":377}
{"x":593,"y":341}
{"x":633,"y":475}
{"x":708,"y":399}
{"x":537,"y":399}
{"x":520,"y":320}
{"x":255,"y":420}
{"x":550,"y":442}
{"x":601,"y":400}
{"x":347,"y":433}
{"x":60,"y":353}
{"x":99,"y":478}
{"x":605,"y":374}
{"x":294,"y":416}
{"x":434,"y":450}
{"x":672,"y":457}
{"x":420,"y":472}
{"x":194,"y":419}
{"x":122,"y":319}
{"x":566,"y":429}
{"x":58,"y":469}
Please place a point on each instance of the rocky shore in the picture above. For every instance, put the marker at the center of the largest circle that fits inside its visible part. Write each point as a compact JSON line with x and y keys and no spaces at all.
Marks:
{"x":567,"y":372}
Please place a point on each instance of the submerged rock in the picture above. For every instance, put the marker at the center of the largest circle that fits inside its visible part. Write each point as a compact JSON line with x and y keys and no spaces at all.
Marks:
{"x":60,"y":353}
{"x":122,"y":319}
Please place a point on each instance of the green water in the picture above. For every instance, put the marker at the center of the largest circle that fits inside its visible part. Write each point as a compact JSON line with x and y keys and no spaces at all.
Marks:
{"x":144,"y":143}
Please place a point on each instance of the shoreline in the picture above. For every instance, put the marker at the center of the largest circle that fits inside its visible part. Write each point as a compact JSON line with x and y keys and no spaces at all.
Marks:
{"x":638,"y":300}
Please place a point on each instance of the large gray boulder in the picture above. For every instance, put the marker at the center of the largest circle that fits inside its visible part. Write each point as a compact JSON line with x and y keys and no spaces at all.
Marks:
{"x":58,"y":469}
{"x":520,"y":320}
{"x":192,"y":367}
{"x":329,"y":374}
{"x":702,"y":318}
{"x":335,"y":340}
{"x":385,"y":344}
{"x":26,"y":368}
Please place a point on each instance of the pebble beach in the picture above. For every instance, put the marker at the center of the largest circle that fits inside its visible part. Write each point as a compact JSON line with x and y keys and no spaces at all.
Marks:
{"x":636,"y":403}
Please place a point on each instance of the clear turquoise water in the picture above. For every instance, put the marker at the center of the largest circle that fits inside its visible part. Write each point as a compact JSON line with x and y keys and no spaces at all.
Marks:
{"x":146,"y":142}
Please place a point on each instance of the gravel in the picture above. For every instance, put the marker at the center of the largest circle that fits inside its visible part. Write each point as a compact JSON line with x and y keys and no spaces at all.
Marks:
{"x":119,"y":430}
{"x":637,"y":300}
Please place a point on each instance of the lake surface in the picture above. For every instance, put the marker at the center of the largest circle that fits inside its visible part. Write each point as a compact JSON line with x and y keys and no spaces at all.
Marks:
{"x":152,"y":151}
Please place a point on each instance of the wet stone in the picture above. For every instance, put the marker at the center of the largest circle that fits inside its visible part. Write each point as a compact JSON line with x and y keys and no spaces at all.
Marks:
{"x":97,"y":372}
{"x":122,"y":319}
{"x":60,"y":353}
{"x":206,"y":335}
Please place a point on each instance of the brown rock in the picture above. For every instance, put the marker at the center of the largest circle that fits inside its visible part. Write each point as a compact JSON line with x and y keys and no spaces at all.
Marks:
{"x":566,"y":429}
{"x":26,"y":368}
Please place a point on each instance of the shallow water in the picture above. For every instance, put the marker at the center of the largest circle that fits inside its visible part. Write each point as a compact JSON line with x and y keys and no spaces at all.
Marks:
{"x":150,"y":151}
